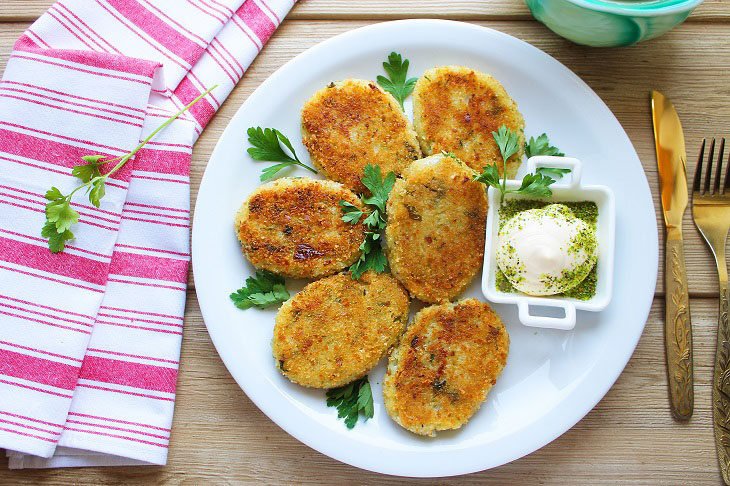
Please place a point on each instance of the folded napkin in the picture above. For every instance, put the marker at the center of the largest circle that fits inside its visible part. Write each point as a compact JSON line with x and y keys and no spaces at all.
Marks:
{"x":90,"y":337}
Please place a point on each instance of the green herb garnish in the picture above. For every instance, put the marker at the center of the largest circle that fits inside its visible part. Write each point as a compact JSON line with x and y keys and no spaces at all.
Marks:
{"x":380,"y":189}
{"x":267,"y":147}
{"x":507,"y":141}
{"x":350,"y":213}
{"x":261,"y":291}
{"x":536,"y":185}
{"x":59,"y":213}
{"x":372,"y":256}
{"x":541,"y":146}
{"x":553,"y":172}
{"x":352,"y":399}
{"x":397,"y":85}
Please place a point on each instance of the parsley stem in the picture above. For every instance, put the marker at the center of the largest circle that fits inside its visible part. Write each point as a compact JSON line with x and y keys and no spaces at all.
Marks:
{"x":124,"y":158}
{"x":504,"y":178}
{"x":302,"y":164}
{"x":306,"y":166}
{"x":128,"y":156}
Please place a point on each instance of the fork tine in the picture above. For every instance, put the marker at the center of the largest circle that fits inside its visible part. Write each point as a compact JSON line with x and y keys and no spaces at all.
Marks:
{"x":726,"y":185}
{"x":698,"y":170}
{"x":718,"y":172}
{"x":708,"y":175}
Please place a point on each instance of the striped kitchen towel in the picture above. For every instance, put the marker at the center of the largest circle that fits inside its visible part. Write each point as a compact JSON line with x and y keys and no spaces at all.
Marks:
{"x":90,"y":337}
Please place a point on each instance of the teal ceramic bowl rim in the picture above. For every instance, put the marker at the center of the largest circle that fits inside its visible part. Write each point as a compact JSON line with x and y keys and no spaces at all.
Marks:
{"x":642,"y":9}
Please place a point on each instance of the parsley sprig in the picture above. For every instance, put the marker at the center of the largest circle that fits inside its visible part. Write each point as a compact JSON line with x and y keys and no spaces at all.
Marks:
{"x":535,"y":185}
{"x":372,"y":256}
{"x":59,"y":213}
{"x":260,"y":291}
{"x":267,"y":147}
{"x":397,"y":85}
{"x":541,"y":146}
{"x":352,"y":399}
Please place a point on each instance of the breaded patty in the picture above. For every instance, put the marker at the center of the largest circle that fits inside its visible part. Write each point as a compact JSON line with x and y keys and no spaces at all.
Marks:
{"x":352,"y":123}
{"x":456,"y":109}
{"x":435,"y":231}
{"x":444,"y":366}
{"x":337,"y":329}
{"x":293,"y":227}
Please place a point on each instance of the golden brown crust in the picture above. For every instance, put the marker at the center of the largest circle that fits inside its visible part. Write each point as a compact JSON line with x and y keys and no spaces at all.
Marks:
{"x":352,"y":123}
{"x":456,"y":109}
{"x":435,"y":233}
{"x":337,"y":329}
{"x":293,"y":227}
{"x":445,"y":364}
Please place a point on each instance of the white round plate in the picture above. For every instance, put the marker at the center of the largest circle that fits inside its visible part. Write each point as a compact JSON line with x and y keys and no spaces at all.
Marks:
{"x":552,"y":378}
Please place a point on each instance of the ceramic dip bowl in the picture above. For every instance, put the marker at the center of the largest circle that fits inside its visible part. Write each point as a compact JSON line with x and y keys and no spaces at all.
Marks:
{"x":568,"y":189}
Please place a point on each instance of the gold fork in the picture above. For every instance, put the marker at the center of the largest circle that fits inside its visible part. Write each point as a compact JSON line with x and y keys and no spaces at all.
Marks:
{"x":711,"y":213}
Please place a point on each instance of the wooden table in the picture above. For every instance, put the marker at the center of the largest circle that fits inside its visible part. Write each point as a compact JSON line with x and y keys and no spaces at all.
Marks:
{"x":220,"y":437}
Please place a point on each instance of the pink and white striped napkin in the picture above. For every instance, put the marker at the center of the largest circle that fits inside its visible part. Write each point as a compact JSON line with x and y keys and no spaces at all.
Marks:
{"x":90,"y":338}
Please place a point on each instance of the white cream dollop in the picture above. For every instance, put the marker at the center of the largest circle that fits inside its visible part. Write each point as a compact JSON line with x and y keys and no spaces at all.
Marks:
{"x":546,"y":251}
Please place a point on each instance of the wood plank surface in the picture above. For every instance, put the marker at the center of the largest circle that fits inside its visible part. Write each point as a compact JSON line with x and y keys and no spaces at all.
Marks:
{"x":713,"y":10}
{"x":220,"y":437}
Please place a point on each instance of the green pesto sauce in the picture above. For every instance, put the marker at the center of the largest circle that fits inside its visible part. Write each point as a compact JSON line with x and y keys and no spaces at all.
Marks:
{"x":585,"y":210}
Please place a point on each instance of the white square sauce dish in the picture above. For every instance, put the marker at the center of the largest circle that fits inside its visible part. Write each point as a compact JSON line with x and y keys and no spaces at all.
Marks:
{"x":568,"y":189}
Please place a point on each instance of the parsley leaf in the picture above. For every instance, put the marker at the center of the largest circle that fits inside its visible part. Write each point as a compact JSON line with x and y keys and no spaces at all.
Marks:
{"x":59,"y":213}
{"x":261,"y":291}
{"x":53,"y":193}
{"x":267,"y":147}
{"x":490,"y":176}
{"x":507,"y":141}
{"x":397,"y":85}
{"x":56,"y":240}
{"x":351,"y":399}
{"x":541,"y":146}
{"x":380,"y":189}
{"x":350,"y":213}
{"x":371,"y":258}
{"x":87,"y":171}
{"x":553,"y":172}
{"x":98,"y":190}
{"x":536,"y":185}
{"x":365,"y":400}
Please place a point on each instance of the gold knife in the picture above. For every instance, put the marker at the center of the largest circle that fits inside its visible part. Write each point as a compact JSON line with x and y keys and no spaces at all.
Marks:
{"x":671,"y":159}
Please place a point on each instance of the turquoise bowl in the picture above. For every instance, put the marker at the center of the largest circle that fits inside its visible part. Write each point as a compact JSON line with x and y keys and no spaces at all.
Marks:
{"x":610,"y":23}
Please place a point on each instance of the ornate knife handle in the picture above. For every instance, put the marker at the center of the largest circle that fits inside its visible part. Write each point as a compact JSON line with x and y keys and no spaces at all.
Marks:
{"x":678,"y":332}
{"x":721,"y":387}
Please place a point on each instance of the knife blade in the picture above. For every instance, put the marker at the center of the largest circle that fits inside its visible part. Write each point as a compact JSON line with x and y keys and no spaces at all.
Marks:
{"x":671,"y":161}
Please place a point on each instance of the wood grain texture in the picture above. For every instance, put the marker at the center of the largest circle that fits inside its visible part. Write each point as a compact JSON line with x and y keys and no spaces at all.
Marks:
{"x":220,"y":437}
{"x":713,"y":10}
